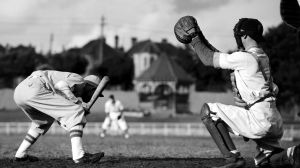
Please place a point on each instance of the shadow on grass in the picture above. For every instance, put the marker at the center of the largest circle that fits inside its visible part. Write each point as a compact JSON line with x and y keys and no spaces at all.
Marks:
{"x":122,"y":162}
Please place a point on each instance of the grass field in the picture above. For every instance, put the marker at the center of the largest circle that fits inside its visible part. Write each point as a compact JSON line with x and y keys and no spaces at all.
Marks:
{"x":137,"y":151}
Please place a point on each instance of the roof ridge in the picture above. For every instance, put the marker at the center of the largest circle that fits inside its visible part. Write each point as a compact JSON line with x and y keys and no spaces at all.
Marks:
{"x":170,"y":67}
{"x":159,"y":62}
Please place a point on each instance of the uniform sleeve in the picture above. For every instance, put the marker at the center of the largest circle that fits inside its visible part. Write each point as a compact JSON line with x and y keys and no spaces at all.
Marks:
{"x":234,"y":61}
{"x":121,"y":107}
{"x":64,"y":88}
{"x":73,"y":79}
{"x":106,"y":107}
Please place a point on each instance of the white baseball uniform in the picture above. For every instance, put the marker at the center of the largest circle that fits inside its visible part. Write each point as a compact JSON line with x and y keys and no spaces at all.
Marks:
{"x":114,"y":112}
{"x":262,"y":122}
{"x":44,"y":104}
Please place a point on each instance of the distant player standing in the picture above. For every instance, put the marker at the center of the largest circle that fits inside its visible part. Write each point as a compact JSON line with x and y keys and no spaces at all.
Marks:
{"x":255,"y":117}
{"x":114,"y":113}
{"x":48,"y":96}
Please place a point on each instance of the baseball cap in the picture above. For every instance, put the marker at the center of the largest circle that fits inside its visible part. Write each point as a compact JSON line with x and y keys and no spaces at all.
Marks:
{"x":252,"y":28}
{"x":111,"y":96}
{"x":92,"y":80}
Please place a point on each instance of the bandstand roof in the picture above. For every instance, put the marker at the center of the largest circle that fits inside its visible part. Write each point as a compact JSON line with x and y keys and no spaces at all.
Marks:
{"x":165,"y":69}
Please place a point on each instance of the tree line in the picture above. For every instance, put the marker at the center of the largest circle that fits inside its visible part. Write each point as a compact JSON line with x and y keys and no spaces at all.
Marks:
{"x":282,"y":46}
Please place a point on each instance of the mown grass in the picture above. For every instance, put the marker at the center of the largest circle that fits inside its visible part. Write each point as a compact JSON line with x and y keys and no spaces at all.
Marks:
{"x":137,"y":151}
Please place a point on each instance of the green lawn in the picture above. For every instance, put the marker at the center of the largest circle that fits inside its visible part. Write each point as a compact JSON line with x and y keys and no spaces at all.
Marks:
{"x":137,"y":151}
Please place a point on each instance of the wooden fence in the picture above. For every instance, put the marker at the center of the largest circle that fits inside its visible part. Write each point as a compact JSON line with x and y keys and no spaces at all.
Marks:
{"x":291,"y":132}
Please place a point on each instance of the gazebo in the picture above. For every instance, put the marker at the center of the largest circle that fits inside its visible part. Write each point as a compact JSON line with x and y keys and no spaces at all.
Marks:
{"x":164,"y":87}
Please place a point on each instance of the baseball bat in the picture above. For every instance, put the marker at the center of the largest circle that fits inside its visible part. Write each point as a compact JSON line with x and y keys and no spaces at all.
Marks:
{"x":103,"y":83}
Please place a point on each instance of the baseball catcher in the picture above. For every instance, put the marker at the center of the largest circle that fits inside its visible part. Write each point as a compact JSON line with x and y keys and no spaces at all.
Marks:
{"x":48,"y":96}
{"x":255,"y":115}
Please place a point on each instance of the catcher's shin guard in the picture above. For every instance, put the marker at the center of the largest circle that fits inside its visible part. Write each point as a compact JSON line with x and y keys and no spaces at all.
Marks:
{"x":222,"y":127}
{"x":218,"y":132}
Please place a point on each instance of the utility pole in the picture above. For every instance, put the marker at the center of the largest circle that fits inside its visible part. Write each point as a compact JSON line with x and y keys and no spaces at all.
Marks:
{"x":51,"y":43}
{"x":102,"y":25}
{"x":102,"y":41}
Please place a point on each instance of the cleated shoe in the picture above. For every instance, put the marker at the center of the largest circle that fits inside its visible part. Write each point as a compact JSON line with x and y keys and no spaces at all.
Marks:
{"x":126,"y":136}
{"x":90,"y":158}
{"x":234,"y":163}
{"x":102,"y":135}
{"x":27,"y":158}
{"x":296,"y":157}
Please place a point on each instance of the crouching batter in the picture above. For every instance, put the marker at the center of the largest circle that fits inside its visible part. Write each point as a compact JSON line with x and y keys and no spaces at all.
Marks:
{"x":255,"y":115}
{"x":48,"y":96}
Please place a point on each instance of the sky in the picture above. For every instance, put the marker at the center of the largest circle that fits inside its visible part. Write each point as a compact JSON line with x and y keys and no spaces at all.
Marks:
{"x":75,"y":22}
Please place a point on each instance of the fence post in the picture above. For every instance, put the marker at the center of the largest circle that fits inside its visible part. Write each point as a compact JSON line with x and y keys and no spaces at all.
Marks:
{"x":18,"y":127}
{"x":153,"y":128}
{"x":189,"y":129}
{"x":142,"y":129}
{"x":175,"y":128}
{"x":165,"y":129}
{"x":7,"y":128}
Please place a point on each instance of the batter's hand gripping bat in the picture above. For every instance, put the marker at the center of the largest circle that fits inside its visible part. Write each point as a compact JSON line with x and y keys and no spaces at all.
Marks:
{"x":103,"y":83}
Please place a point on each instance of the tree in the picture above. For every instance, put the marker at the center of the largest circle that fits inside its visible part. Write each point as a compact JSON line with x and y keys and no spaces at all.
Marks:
{"x":207,"y":78}
{"x":120,"y":71}
{"x":71,"y":61}
{"x":19,"y":61}
{"x":283,"y":48}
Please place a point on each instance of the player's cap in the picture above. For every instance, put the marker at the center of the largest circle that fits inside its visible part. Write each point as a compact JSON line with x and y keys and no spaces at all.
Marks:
{"x":250,"y":27}
{"x":92,"y":80}
{"x":111,"y":96}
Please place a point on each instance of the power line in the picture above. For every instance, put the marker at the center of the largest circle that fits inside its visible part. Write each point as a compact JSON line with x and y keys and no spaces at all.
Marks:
{"x":84,"y":23}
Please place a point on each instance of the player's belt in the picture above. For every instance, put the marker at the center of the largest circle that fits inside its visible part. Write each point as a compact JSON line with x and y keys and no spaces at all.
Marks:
{"x":37,"y":77}
{"x":248,"y":106}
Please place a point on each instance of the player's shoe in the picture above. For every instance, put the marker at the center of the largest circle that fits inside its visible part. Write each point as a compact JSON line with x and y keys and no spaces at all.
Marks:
{"x":90,"y":158}
{"x":27,"y":158}
{"x":102,"y":135}
{"x":126,"y":136}
{"x":239,"y":162}
{"x":296,"y":157}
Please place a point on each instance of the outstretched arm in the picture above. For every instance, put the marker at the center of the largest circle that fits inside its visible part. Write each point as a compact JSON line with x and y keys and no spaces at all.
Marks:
{"x":205,"y":54}
{"x":187,"y":31}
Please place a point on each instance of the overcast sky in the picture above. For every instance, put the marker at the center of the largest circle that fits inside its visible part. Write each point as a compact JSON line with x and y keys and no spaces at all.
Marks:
{"x":75,"y":22}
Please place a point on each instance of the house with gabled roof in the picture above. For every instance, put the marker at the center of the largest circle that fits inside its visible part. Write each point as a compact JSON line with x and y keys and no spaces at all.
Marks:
{"x":164,"y":87}
{"x":144,"y":53}
{"x":106,"y":60}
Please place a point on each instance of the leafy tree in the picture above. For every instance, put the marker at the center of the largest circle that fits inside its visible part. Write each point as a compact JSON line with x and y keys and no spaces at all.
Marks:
{"x":120,"y":71}
{"x":71,"y":61}
{"x":207,"y":78}
{"x":283,"y":48}
{"x":19,"y":61}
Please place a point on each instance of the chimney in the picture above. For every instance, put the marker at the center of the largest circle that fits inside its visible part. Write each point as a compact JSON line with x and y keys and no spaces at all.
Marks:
{"x":116,"y":41}
{"x":164,"y":40}
{"x":103,"y":40}
{"x":133,"y":41}
{"x":101,"y":48}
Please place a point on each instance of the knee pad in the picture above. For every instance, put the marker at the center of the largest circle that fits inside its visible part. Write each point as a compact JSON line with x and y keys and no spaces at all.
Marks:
{"x":205,"y":112}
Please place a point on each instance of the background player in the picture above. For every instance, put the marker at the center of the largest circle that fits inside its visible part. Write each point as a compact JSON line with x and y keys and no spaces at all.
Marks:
{"x":255,"y":116}
{"x":48,"y":96}
{"x":114,"y":113}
